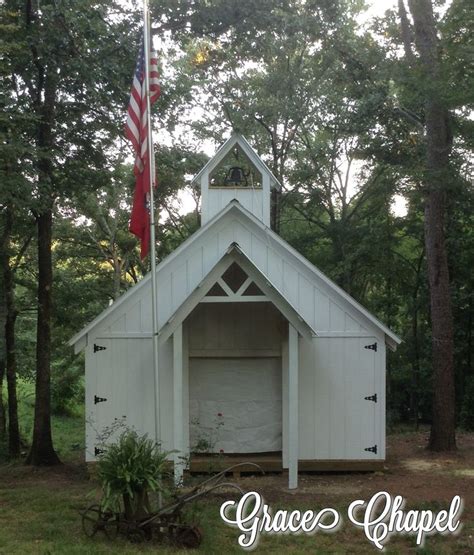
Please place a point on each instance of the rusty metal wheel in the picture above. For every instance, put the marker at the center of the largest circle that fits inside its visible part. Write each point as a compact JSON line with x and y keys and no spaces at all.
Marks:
{"x":94,"y":520}
{"x":136,"y":535}
{"x":91,"y":520}
{"x":112,"y":524}
{"x":189,"y":537}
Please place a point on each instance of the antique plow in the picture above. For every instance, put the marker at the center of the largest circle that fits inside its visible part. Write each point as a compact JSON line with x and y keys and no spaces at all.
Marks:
{"x":166,"y":523}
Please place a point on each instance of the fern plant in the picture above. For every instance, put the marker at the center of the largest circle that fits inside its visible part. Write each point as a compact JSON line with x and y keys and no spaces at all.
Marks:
{"x":129,"y":469}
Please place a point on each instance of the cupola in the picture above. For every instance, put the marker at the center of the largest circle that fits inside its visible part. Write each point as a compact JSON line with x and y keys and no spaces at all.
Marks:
{"x":236,"y":172}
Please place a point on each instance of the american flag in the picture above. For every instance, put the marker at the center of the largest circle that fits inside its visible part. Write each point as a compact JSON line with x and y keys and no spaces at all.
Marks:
{"x":136,"y":130}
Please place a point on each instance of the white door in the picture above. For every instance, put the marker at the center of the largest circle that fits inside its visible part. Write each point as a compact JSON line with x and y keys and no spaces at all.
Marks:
{"x":235,"y":405}
{"x":119,"y":390}
{"x":108,"y":398}
{"x":364,"y":399}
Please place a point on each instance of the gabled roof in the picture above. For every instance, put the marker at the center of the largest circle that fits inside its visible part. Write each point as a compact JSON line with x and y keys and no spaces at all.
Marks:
{"x":142,"y":283}
{"x":234,"y":211}
{"x":392,"y":338}
{"x":237,"y":139}
{"x":235,"y":254}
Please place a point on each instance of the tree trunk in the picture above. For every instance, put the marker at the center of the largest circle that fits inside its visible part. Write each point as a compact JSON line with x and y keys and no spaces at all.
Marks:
{"x":442,"y":436}
{"x":42,"y":451}
{"x":415,"y":363}
{"x":3,"y":350}
{"x":437,"y":175}
{"x":44,"y":96}
{"x":117,"y":269}
{"x":3,"y":424}
{"x":275,"y":210}
{"x":7,"y":355}
{"x":11,"y":313}
{"x":14,"y":443}
{"x":3,"y":321}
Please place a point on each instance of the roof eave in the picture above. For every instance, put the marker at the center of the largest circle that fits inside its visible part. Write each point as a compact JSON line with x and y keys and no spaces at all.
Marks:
{"x":233,"y":205}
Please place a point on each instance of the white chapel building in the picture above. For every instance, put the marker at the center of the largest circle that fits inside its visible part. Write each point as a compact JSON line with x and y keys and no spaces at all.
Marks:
{"x":261,"y":356}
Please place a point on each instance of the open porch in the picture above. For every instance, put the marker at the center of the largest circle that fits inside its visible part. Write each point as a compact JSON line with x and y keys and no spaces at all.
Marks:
{"x":236,"y":345}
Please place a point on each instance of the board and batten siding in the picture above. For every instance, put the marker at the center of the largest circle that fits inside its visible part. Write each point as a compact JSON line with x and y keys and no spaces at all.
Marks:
{"x":122,"y":373}
{"x":177,"y":279}
{"x":335,"y":368}
{"x":336,"y":421}
{"x":219,"y":197}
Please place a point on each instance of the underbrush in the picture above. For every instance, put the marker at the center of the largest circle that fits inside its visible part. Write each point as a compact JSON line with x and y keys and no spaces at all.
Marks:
{"x":67,"y":429}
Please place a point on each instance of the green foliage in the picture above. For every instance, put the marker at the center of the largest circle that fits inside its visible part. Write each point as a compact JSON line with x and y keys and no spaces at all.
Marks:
{"x":129,"y":467}
{"x":325,"y":101}
{"x":67,"y":390}
{"x":68,"y":429}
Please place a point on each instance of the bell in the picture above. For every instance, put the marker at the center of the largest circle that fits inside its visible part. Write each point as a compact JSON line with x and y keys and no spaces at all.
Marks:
{"x":236,"y":176}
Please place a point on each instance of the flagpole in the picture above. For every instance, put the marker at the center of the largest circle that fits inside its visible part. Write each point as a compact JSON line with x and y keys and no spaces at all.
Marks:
{"x":151,"y":161}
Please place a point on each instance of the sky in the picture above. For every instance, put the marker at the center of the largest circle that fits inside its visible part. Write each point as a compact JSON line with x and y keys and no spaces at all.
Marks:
{"x":378,"y":7}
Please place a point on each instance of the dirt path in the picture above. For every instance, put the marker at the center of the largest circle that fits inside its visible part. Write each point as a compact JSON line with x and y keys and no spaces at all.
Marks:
{"x":422,"y":477}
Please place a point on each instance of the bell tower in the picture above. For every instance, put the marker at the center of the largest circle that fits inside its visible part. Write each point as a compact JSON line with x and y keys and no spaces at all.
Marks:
{"x":236,"y":172}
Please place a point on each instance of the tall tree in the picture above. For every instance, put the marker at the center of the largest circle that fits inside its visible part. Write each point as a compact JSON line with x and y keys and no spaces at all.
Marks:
{"x":43,"y":90}
{"x":11,"y":313}
{"x":437,"y":176}
{"x":75,"y":122}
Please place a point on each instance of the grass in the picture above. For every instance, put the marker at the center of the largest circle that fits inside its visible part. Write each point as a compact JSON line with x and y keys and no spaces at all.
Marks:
{"x":37,"y":518}
{"x":39,"y":508}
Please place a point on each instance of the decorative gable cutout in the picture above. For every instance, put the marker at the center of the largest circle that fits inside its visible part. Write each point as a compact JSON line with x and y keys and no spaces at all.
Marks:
{"x":252,"y":290}
{"x":234,"y":286}
{"x":216,"y":291}
{"x":234,"y":276}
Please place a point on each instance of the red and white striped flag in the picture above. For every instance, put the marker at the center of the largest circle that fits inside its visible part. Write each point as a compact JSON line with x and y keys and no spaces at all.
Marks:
{"x":136,"y":129}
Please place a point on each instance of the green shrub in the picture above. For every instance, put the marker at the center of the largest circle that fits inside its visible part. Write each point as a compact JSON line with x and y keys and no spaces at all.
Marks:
{"x":67,"y":390}
{"x":128,"y":470}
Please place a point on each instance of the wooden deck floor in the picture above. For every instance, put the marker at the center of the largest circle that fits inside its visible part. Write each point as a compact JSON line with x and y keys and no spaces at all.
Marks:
{"x":272,"y":462}
{"x":268,"y":462}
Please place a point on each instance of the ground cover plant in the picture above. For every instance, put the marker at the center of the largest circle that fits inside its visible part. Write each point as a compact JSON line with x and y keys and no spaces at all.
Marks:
{"x":39,"y":508}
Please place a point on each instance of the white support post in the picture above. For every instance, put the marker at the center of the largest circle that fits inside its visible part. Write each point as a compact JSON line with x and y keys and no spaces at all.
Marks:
{"x":284,"y":408}
{"x":186,"y":392}
{"x":293,"y":369}
{"x":178,"y":404}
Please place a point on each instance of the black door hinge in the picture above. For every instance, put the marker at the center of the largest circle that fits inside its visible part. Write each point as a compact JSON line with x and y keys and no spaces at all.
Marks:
{"x":98,"y":451}
{"x":371,"y":449}
{"x":99,"y":399}
{"x":98,"y":348}
{"x":371,"y":398}
{"x":373,"y":347}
